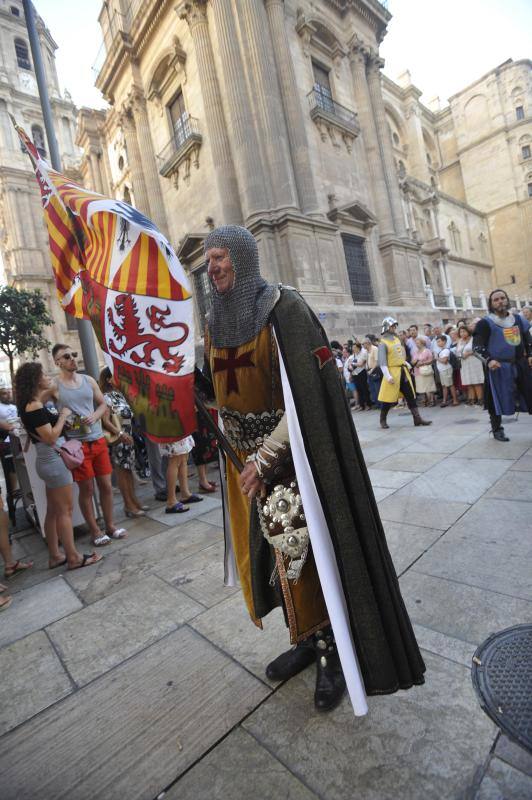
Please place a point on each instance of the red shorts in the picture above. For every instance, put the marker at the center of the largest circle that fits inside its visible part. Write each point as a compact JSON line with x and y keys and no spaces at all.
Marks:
{"x":96,"y":462}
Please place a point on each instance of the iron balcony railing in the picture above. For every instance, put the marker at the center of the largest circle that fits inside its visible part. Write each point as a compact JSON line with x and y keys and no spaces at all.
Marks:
{"x":441,"y":300}
{"x":476,"y":302}
{"x":186,"y":130}
{"x":320,"y":100}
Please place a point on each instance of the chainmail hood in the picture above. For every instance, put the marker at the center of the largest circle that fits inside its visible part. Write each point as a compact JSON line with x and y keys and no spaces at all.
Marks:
{"x":238,"y":315}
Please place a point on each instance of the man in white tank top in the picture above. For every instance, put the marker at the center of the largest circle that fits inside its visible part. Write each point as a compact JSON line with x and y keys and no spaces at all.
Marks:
{"x":83,"y":396}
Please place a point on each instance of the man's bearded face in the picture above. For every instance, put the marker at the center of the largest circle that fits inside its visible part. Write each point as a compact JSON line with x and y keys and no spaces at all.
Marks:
{"x":499,"y":302}
{"x":220,"y":269}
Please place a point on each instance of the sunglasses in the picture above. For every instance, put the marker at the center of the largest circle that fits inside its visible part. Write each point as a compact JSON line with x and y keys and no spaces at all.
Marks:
{"x":68,"y":356}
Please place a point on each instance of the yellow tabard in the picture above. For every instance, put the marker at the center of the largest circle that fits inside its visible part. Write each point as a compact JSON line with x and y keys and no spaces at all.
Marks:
{"x":247,"y":380}
{"x":396,"y":358}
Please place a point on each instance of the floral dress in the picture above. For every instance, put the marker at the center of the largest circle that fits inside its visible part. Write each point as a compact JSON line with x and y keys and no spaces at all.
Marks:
{"x":122,"y":454}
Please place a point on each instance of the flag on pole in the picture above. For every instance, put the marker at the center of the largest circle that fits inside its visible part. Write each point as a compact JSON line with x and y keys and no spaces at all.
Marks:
{"x":113,"y":266}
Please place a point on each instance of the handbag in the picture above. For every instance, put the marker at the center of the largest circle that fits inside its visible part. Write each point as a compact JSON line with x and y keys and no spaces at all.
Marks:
{"x":71,"y":451}
{"x":425,"y":369}
{"x":114,"y":419}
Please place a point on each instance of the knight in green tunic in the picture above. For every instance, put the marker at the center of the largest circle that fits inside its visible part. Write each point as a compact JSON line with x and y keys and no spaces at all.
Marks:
{"x":281,"y":401}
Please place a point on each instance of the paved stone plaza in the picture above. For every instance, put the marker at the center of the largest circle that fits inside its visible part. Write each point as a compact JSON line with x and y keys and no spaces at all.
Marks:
{"x":142,"y":675}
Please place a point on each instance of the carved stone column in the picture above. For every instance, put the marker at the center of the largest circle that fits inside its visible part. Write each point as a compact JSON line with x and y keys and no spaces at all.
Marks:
{"x":383,"y":210}
{"x":417,"y":158}
{"x":267,"y":103}
{"x":147,"y":156}
{"x":295,"y":121}
{"x":195,"y":13}
{"x":94,"y":166}
{"x":135,"y":162}
{"x":254,"y":191}
{"x":374,"y":67}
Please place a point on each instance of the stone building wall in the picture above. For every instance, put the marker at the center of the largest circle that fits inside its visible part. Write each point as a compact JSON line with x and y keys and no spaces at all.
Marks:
{"x":23,"y":235}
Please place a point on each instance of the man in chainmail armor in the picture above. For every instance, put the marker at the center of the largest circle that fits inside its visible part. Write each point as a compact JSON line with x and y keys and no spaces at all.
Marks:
{"x":282,"y":406}
{"x":501,"y":341}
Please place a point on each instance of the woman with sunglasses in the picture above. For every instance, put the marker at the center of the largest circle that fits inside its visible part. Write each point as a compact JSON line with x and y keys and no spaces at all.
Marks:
{"x":45,"y":429}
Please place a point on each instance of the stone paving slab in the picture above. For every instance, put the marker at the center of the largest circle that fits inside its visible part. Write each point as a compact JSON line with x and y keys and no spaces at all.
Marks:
{"x":229,"y":627}
{"x":457,"y":610}
{"x":484,"y":447}
{"x":503,"y":782}
{"x":105,"y":633}
{"x":523,"y":464}
{"x":126,"y":565}
{"x":513,"y":486}
{"x":200,"y":576}
{"x":36,"y":607}
{"x":514,"y":755}
{"x":214,"y":517}
{"x":456,"y":479}
{"x":195,"y":510}
{"x":424,"y":743}
{"x":32,"y":679}
{"x":445,"y":646}
{"x":408,"y":542}
{"x":380,"y":493}
{"x":439,"y":516}
{"x":485,"y":521}
{"x":228,"y":771}
{"x":134,"y":730}
{"x":441,"y":442}
{"x":488,"y":564}
{"x":389,"y":480}
{"x":381,"y":449}
{"x":410,"y":462}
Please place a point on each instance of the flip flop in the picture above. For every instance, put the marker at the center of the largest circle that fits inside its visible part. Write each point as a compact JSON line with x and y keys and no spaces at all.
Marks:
{"x":193,"y":499}
{"x":179,"y":508}
{"x":7,"y":602}
{"x":18,"y":566}
{"x":60,"y":564}
{"x":86,"y":557}
{"x":101,"y":541}
{"x":119,"y":533}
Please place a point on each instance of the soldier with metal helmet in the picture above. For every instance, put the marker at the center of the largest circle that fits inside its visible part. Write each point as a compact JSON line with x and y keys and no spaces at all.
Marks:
{"x":396,"y":380}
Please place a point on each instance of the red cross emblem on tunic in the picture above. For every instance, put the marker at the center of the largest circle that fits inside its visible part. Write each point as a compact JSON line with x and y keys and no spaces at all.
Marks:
{"x":231,"y":364}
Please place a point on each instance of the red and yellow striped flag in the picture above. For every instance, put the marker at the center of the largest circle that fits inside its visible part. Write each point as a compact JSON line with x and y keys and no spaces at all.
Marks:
{"x":113,"y":266}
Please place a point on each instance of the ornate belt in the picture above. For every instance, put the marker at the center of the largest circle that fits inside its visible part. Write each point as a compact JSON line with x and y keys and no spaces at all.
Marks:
{"x":246,"y":432}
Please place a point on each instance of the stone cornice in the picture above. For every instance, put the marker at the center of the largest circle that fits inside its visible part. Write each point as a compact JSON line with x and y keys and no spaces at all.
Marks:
{"x":373,"y":12}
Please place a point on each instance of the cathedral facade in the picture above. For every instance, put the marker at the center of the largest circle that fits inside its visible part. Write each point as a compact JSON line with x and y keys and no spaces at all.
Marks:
{"x":23,"y":235}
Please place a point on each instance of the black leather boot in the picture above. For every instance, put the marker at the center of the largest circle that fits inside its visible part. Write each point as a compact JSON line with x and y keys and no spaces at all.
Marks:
{"x":290,"y":663}
{"x":384,"y":414}
{"x":418,"y":419}
{"x":330,"y":681}
{"x":497,"y":429}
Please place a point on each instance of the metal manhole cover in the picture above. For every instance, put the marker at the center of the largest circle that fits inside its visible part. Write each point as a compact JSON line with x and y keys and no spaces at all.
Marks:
{"x":502,"y":678}
{"x":466,"y":421}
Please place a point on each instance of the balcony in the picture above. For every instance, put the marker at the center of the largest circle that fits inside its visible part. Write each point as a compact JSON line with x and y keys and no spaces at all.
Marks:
{"x":441,"y":301}
{"x":333,"y":119}
{"x":181,"y":151}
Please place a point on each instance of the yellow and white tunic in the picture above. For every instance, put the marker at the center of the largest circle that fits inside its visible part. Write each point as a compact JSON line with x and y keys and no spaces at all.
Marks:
{"x":396,"y":363}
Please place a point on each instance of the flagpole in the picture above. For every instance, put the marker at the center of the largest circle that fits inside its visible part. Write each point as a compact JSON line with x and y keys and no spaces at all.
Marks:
{"x":86,"y":338}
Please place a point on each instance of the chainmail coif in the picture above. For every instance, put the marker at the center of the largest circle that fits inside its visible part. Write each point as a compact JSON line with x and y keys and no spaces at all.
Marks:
{"x":238,"y":315}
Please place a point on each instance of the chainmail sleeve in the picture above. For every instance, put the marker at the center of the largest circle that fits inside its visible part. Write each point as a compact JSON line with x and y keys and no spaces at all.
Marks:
{"x":383,"y":355}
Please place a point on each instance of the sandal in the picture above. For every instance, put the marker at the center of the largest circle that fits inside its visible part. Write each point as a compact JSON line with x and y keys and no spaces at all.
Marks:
{"x":118,"y":533}
{"x":59,"y":564}
{"x":179,"y":508}
{"x":5,"y":602}
{"x":207,"y":490}
{"x":193,"y":499}
{"x":88,"y":560}
{"x":102,"y":540}
{"x":18,"y":566}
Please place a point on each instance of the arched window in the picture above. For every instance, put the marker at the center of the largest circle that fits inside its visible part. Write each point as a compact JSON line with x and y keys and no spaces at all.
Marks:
{"x":38,"y":139}
{"x":127,"y":195}
{"x":121,"y":165}
{"x":396,"y":139}
{"x":23,"y":56}
{"x":15,"y":11}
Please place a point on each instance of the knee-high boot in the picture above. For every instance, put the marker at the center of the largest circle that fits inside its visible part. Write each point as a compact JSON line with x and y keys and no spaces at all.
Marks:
{"x":330,"y":681}
{"x":385,"y":407}
{"x":418,"y":419}
{"x":497,"y":429}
